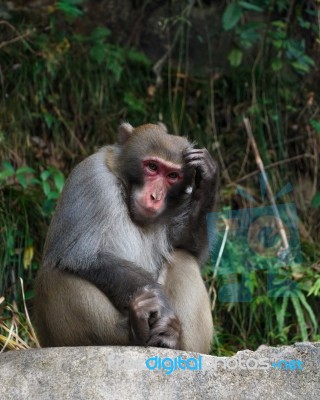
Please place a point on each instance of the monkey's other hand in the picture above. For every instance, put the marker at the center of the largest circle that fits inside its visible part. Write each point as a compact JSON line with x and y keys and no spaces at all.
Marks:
{"x":205,"y":178}
{"x":152,"y":320}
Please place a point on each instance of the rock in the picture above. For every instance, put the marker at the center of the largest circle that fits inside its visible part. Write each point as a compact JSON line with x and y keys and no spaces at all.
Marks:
{"x":288,"y":372}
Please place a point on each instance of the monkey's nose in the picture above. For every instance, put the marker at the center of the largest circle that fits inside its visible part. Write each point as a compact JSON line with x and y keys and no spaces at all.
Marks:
{"x":156,"y":196}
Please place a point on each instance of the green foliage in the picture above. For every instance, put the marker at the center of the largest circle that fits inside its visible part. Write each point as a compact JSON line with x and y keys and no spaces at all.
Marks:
{"x":27,"y":196}
{"x":70,"y":7}
{"x":316,"y":200}
{"x":231,"y":16}
{"x":282,"y":314}
{"x":284,"y":48}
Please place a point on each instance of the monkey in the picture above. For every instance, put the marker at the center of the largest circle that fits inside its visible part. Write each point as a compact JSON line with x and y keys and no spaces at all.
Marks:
{"x":122,"y":257}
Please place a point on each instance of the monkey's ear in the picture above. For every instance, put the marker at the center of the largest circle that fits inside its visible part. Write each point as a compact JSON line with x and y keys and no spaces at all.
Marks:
{"x":163,"y":126}
{"x":125,"y":131}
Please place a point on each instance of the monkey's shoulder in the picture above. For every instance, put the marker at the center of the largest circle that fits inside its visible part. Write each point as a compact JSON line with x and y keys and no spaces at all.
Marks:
{"x":97,"y":166}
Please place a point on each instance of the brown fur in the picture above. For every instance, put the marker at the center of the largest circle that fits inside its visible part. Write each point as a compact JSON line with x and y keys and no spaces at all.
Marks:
{"x":73,"y":312}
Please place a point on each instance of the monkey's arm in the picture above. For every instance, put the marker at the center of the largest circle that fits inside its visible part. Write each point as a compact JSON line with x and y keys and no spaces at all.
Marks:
{"x":194,"y":235}
{"x":133,"y":289}
{"x":117,"y":278}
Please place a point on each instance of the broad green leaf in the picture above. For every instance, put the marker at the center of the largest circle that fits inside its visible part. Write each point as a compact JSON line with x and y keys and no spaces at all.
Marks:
{"x":70,"y":7}
{"x":34,"y":181}
{"x":53,"y":195}
{"x":251,"y":7}
{"x":45,"y":175}
{"x":276,"y":65}
{"x":5,"y":174}
{"x":8,"y":166}
{"x":46,"y":188}
{"x":58,"y":180}
{"x":22,"y":180}
{"x":98,"y":52}
{"x":315,"y":124}
{"x":138,"y":57}
{"x":25,"y":170}
{"x":300,"y":67}
{"x":100,"y":33}
{"x":235,"y":57}
{"x":315,"y":202}
{"x":231,"y":16}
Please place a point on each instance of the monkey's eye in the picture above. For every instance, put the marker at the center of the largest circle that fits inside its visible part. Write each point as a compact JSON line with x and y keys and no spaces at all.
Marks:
{"x":153,"y":166}
{"x":173,"y":175}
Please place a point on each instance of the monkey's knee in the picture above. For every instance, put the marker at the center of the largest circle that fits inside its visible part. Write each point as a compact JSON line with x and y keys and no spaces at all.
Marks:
{"x":189,"y":297}
{"x":70,"y":311}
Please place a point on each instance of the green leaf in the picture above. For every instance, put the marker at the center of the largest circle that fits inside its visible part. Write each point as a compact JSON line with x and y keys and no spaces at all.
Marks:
{"x":48,"y":207}
{"x":98,"y":52}
{"x":300,"y":67}
{"x":70,"y":7}
{"x":100,"y":33}
{"x":22,"y":180}
{"x":49,"y":119}
{"x":315,"y":288}
{"x":5,"y":174}
{"x":29,"y":294}
{"x":138,"y":57}
{"x":53,"y":195}
{"x":45,"y":175}
{"x":134,"y":104}
{"x":58,"y":179}
{"x":309,"y":310}
{"x":282,"y":313}
{"x":25,"y":170}
{"x":7,"y":166}
{"x":231,"y":16}
{"x":315,"y":202}
{"x":34,"y":181}
{"x":251,"y":7}
{"x":315,"y":124}
{"x":46,"y":188}
{"x":276,"y":65}
{"x":235,"y":57}
{"x":300,"y":317}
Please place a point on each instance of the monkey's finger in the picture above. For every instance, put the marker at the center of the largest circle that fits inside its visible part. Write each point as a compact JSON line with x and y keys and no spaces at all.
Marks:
{"x":204,"y":166}
{"x":192,"y":152}
{"x":140,"y":332}
{"x":203,"y":160}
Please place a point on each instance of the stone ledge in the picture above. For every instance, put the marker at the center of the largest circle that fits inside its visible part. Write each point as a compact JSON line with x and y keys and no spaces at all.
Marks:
{"x":78,"y":373}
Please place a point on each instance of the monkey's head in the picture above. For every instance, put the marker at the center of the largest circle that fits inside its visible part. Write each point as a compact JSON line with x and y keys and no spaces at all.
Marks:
{"x":151,"y":164}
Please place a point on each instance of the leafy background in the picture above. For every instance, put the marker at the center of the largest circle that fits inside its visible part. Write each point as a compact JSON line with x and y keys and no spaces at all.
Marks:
{"x":71,"y":70}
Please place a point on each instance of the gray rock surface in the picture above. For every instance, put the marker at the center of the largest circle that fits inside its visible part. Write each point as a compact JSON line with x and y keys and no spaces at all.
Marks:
{"x":121,"y":373}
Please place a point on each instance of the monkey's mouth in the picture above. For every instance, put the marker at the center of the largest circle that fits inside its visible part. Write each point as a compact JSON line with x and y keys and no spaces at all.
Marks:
{"x":146,"y":211}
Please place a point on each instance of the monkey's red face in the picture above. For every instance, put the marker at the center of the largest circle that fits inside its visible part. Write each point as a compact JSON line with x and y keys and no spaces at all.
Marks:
{"x":159,"y":176}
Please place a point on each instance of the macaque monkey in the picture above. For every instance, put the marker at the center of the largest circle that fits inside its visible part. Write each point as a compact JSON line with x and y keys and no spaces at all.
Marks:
{"x":122,"y":258}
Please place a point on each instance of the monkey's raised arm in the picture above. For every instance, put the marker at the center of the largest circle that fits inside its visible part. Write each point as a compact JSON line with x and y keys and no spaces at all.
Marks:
{"x":193,"y":237}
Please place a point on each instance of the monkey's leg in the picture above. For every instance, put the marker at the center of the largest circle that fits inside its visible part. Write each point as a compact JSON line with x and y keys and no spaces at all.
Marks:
{"x":190,"y":301}
{"x":70,"y":311}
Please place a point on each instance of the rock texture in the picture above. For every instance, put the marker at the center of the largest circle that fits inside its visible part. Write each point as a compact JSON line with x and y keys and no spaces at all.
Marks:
{"x":288,"y":372}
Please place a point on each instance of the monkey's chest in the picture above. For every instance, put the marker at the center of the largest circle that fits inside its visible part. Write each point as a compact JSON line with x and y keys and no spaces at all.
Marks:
{"x":148,"y":251}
